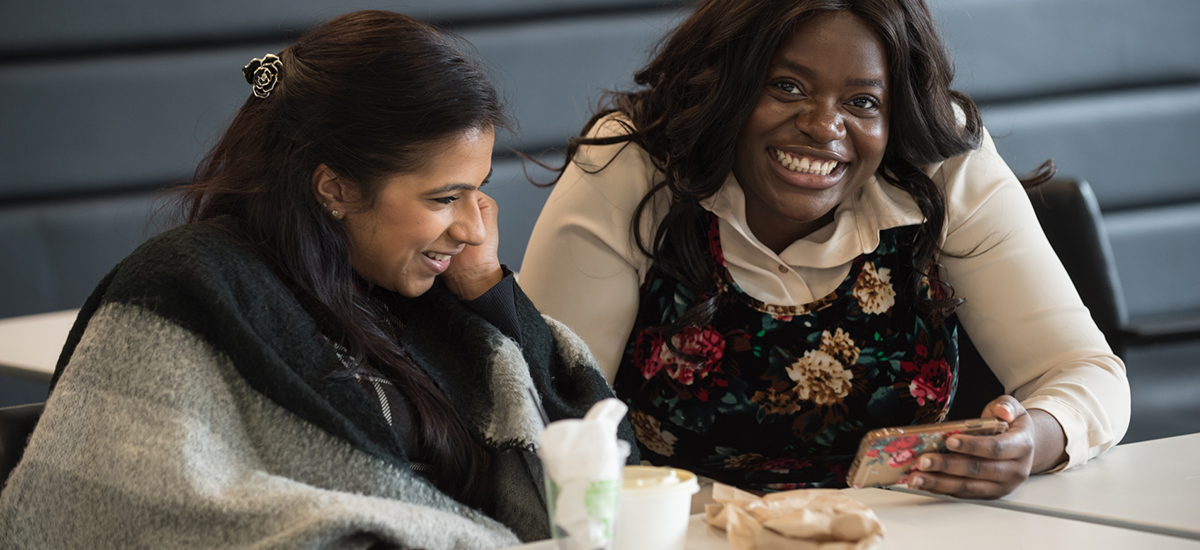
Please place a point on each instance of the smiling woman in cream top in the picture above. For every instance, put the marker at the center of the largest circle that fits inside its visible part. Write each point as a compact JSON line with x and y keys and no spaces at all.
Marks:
{"x":809,"y":247}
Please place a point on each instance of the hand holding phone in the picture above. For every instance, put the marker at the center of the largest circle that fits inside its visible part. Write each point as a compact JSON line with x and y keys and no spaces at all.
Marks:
{"x":887,"y":455}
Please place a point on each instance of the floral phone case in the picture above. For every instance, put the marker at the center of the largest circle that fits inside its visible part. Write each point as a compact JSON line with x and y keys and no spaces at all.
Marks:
{"x":886,"y":455}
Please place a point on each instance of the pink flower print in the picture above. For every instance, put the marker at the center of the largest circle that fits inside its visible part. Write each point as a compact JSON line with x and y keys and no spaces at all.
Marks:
{"x":932,"y":384}
{"x":651,"y":354}
{"x":922,"y":390}
{"x":901,"y":457}
{"x":647,"y":353}
{"x":705,"y":343}
{"x":900,"y":443}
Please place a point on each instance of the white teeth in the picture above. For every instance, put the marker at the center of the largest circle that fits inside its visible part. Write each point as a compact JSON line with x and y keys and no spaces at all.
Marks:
{"x":805,"y":165}
{"x":438,"y":257}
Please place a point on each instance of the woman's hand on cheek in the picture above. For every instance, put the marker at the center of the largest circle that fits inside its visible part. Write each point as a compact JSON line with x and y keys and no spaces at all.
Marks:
{"x":477,"y":269}
{"x":982,"y":466}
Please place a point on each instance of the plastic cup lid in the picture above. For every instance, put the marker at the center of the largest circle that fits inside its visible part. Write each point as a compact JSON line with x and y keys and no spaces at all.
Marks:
{"x":653,"y":479}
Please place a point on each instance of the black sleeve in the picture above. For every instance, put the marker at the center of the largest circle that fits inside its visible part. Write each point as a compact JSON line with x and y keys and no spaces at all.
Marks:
{"x":498,"y":306}
{"x":567,"y":387}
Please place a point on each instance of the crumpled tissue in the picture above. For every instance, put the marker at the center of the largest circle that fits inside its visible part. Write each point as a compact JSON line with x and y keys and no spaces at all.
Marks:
{"x":816,"y":519}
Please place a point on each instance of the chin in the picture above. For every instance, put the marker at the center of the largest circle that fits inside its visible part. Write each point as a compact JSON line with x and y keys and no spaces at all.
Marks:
{"x":412,"y":288}
{"x":412,"y":291}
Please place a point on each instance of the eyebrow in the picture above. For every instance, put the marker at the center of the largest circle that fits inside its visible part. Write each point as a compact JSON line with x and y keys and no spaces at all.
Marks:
{"x":451,"y":187}
{"x":805,"y":71}
{"x":867,"y":82}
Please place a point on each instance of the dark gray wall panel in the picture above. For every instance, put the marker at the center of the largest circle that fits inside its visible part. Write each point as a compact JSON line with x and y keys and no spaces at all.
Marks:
{"x":1158,"y":254}
{"x":54,"y":254}
{"x":114,"y":122}
{"x":1135,"y":148}
{"x":123,"y":121}
{"x":552,"y":73}
{"x":1021,"y":48}
{"x":32,"y":25}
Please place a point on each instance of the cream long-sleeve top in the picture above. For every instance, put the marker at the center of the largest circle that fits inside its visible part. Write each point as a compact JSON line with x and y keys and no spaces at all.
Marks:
{"x":1024,"y":315}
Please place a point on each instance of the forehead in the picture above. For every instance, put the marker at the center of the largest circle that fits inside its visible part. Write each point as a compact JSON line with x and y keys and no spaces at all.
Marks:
{"x":460,"y":161}
{"x":834,"y":40}
{"x":450,"y":151}
{"x":457,"y":152}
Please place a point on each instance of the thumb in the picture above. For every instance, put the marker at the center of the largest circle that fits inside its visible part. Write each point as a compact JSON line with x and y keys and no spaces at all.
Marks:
{"x":1004,"y":408}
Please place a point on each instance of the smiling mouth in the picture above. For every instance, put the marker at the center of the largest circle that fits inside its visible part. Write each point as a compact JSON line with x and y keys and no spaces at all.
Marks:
{"x":805,"y":165}
{"x":437,"y":257}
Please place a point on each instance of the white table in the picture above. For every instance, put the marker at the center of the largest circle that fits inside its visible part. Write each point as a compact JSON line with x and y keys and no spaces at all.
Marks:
{"x":1130,"y":497}
{"x":919,"y":522}
{"x":1153,"y":486}
{"x":922,"y":522}
{"x":30,"y":345}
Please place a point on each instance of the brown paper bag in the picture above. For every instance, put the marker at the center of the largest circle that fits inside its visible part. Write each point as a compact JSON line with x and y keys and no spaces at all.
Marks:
{"x":804,"y":519}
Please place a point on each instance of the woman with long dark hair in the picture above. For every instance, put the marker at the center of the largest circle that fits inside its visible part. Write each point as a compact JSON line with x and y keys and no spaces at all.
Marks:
{"x":770,"y":244}
{"x":328,"y":353}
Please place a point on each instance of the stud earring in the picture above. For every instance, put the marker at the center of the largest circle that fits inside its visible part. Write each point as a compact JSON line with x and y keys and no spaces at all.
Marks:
{"x":335,"y":214}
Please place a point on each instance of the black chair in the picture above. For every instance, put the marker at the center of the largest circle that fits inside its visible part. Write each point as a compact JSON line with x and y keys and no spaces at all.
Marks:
{"x":16,"y":424}
{"x":1070,"y":216}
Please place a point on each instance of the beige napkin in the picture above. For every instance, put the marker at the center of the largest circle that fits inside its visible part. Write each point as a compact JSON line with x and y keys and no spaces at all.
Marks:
{"x":816,"y":519}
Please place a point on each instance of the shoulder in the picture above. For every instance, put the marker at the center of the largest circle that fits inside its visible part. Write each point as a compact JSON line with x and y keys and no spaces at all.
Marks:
{"x":972,"y":180}
{"x":201,"y":279}
{"x":194,"y":251}
{"x":206,"y":244}
{"x":616,"y":160}
{"x":195,"y":266}
{"x":619,"y":174}
{"x":600,"y":189}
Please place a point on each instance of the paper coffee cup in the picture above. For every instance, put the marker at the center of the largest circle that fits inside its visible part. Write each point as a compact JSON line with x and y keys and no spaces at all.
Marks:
{"x":655,"y":507}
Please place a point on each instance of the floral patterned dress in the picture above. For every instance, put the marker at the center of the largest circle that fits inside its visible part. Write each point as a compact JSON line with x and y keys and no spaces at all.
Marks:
{"x":773,"y":397}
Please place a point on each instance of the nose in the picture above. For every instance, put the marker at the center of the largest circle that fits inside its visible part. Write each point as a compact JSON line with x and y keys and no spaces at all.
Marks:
{"x":822,"y":122}
{"x":468,"y":226}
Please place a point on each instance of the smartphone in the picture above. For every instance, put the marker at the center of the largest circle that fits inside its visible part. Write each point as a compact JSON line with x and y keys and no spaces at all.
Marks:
{"x":886,"y":455}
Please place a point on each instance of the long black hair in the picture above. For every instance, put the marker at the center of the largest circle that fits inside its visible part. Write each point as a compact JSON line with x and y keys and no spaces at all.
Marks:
{"x":365,"y":94}
{"x":702,"y":86}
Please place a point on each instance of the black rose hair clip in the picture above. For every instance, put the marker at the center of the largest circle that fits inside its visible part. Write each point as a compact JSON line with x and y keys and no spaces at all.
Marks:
{"x":263,"y":74}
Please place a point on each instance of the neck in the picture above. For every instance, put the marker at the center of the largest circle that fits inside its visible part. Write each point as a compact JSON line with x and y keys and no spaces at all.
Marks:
{"x":778,"y":233}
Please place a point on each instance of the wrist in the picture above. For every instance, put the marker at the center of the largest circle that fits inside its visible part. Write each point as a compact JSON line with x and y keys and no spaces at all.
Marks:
{"x":1050,"y":441}
{"x":474,"y":285}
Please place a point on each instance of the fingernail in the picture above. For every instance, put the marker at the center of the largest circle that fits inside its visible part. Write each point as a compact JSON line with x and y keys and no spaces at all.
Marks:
{"x":953,"y":443}
{"x":925,"y":464}
{"x":915,"y":482}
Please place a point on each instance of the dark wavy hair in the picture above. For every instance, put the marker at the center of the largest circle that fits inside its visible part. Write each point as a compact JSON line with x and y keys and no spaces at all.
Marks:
{"x":702,"y":86}
{"x":366,"y":94}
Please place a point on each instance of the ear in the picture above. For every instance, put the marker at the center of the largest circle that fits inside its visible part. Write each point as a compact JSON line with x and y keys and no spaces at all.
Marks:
{"x":329,"y":190}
